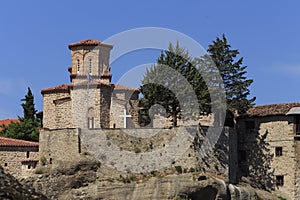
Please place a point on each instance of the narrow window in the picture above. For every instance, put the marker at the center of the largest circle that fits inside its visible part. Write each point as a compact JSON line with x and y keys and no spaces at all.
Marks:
{"x":5,"y":164}
{"x":78,"y":65}
{"x":28,"y":166}
{"x":90,"y":66}
{"x":279,"y":180}
{"x":278,"y":151}
{"x":91,"y":115}
{"x":27,"y":154}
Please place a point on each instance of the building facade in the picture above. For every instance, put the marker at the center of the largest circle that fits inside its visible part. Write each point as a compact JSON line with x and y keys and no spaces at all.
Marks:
{"x":18,"y":157}
{"x":268,"y":148}
{"x":90,"y":100}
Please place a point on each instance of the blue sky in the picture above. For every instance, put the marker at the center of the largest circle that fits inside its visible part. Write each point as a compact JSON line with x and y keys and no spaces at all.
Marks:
{"x":34,"y":36}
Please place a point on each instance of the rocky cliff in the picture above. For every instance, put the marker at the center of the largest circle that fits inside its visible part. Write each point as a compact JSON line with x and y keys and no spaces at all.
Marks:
{"x":10,"y":188}
{"x":88,"y":180}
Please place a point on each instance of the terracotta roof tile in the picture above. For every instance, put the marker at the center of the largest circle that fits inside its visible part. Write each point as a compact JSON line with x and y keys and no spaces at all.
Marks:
{"x":6,"y":122}
{"x":58,"y":88}
{"x":271,"y":109}
{"x":17,"y":143}
{"x":123,"y":87}
{"x":88,"y":42}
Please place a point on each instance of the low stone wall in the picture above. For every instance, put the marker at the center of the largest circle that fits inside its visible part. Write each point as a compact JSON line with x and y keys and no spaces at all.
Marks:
{"x":19,"y":161}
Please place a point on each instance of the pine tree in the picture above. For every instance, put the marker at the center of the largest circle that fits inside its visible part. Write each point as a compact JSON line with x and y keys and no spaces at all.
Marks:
{"x":171,"y":83}
{"x":28,"y":126}
{"x":233,"y":74}
{"x":28,"y":107}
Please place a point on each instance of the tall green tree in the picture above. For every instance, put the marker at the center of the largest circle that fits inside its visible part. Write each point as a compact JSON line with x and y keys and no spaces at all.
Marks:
{"x":233,"y":73}
{"x":28,"y":106}
{"x":170,"y":83}
{"x":28,"y":126}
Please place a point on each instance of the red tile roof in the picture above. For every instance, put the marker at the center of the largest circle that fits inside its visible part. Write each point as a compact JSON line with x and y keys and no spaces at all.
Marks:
{"x":6,"y":122}
{"x":58,"y":88}
{"x":271,"y":109}
{"x":17,"y":143}
{"x":123,"y":87}
{"x":88,"y":42}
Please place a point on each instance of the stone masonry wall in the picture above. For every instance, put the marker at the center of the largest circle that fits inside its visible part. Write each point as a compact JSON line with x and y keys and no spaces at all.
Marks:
{"x":259,"y":145}
{"x":59,"y":145}
{"x":55,"y":113}
{"x":11,"y":160}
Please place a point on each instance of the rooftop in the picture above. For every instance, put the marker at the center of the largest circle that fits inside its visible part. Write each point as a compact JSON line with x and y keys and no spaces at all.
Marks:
{"x":6,"y":122}
{"x":65,"y":87}
{"x":17,"y":143}
{"x":88,"y":42}
{"x":271,"y":109}
{"x":123,"y":87}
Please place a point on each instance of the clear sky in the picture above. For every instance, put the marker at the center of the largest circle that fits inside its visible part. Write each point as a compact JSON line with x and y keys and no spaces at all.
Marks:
{"x":34,"y":36}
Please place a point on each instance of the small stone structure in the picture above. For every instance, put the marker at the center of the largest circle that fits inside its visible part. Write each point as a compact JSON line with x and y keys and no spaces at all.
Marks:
{"x":268,"y":148}
{"x":18,"y":157}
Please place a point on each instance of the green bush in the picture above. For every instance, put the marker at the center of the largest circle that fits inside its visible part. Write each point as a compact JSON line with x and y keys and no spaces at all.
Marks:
{"x":136,"y":150}
{"x":43,"y":160}
{"x":192,"y":169}
{"x":178,"y":169}
{"x":154,"y":173}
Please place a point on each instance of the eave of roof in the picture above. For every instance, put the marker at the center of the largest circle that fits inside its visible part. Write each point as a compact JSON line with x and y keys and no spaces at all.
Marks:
{"x":270,"y":110}
{"x":88,"y":42}
{"x":10,"y":142}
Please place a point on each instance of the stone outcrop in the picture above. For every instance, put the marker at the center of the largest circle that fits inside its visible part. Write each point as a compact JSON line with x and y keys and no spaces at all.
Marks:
{"x":83,"y":181}
{"x":10,"y":188}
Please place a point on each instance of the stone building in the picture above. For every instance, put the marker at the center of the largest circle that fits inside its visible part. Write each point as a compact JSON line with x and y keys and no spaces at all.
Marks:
{"x":90,"y":100}
{"x":18,"y":157}
{"x":268,"y":147}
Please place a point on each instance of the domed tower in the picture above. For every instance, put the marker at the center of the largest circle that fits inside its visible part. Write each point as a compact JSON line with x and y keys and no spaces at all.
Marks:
{"x":90,"y":60}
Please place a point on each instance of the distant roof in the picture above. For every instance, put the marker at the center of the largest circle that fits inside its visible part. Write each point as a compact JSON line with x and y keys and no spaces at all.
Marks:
{"x":8,"y":121}
{"x":17,"y":143}
{"x":88,"y":42}
{"x":123,"y":87}
{"x":271,"y":109}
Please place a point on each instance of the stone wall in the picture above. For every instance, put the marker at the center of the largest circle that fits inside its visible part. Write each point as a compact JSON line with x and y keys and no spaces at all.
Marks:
{"x":19,"y":161}
{"x":59,"y":145}
{"x":57,"y":106}
{"x":258,"y":145}
{"x":63,"y":145}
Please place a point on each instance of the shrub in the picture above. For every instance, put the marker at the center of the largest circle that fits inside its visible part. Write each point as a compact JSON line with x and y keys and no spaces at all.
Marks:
{"x":136,"y":150}
{"x":154,"y":173}
{"x":192,"y":169}
{"x":43,"y":160}
{"x":178,"y":169}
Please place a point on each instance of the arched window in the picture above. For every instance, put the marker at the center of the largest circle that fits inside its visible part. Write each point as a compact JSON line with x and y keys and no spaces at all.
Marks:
{"x":90,"y":119}
{"x":90,"y":66}
{"x":78,"y":65}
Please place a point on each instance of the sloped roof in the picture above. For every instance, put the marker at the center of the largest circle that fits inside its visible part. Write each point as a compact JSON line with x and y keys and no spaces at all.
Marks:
{"x":58,"y":88}
{"x":88,"y":42}
{"x":6,"y":122}
{"x":123,"y":87}
{"x":17,"y":143}
{"x":271,"y":109}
